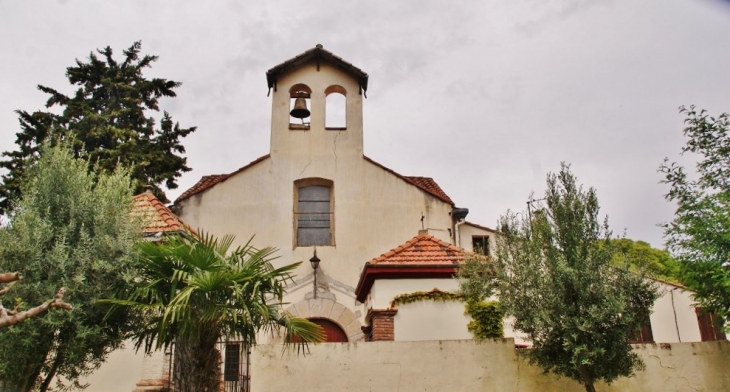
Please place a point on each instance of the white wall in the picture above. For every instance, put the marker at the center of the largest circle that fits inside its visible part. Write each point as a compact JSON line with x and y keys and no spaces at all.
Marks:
{"x":125,"y":368}
{"x":431,"y":320}
{"x":673,"y":317}
{"x":466,"y":365}
{"x":466,"y":231}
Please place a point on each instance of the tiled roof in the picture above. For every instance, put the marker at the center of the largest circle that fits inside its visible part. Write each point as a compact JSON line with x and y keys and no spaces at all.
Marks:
{"x":318,"y":53}
{"x":210,"y":180}
{"x":422,"y":249}
{"x":157,"y":218}
{"x":430,"y":186}
{"x":421,"y":257}
{"x":425,"y":183}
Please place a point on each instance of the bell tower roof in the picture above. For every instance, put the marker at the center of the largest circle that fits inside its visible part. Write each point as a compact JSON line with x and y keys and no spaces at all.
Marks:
{"x":317,"y":54}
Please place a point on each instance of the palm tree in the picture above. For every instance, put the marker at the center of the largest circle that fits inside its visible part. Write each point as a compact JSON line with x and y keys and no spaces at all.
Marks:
{"x":194,"y":292}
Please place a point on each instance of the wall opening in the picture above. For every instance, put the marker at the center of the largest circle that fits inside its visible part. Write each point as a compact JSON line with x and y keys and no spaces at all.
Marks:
{"x":300,"y":106}
{"x":480,"y":244}
{"x":335,"y":108}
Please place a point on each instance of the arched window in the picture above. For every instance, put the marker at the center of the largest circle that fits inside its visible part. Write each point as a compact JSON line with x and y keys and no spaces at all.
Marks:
{"x":335,"y":108}
{"x":299,"y":106}
{"x":313,"y":212}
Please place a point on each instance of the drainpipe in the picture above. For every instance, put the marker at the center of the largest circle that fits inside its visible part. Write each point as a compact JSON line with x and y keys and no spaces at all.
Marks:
{"x":458,"y":236}
{"x":458,"y":215}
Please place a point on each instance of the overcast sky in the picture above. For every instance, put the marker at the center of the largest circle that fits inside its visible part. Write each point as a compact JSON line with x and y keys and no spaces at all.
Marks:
{"x":485,"y":97}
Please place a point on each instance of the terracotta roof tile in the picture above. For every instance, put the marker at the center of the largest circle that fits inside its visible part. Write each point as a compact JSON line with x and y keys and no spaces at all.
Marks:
{"x":422,"y":249}
{"x":426,"y":184}
{"x":430,"y":186}
{"x":156,"y":216}
{"x":209,"y":181}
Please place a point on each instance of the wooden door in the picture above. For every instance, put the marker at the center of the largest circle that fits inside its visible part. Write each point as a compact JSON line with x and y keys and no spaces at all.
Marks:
{"x":333,"y":331}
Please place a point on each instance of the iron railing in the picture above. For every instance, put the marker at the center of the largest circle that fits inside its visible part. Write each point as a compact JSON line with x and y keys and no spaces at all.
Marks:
{"x":235,"y":367}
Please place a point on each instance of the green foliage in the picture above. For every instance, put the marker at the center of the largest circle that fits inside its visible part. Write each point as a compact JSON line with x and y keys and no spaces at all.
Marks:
{"x":194,"y":291}
{"x":72,"y":228}
{"x":554,"y":275}
{"x":641,"y":257}
{"x":699,"y":235}
{"x":107,"y":118}
{"x":433,"y":295}
{"x":477,"y":278}
{"x":487,"y":319}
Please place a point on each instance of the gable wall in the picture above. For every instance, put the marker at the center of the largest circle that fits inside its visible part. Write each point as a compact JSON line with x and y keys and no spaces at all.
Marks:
{"x":374,"y":210}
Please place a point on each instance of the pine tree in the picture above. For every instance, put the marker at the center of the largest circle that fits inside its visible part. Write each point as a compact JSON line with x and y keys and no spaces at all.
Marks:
{"x":108,"y":122}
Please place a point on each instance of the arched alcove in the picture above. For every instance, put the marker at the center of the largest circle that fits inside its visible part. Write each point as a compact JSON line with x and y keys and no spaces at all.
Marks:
{"x":327,"y":309}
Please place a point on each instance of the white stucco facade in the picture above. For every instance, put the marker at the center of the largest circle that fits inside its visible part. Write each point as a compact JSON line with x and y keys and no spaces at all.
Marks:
{"x":373,"y":209}
{"x":467,"y":231}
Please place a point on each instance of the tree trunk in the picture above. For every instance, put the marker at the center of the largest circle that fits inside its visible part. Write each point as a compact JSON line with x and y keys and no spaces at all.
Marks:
{"x":587,"y":379}
{"x":197,"y":366}
{"x":52,"y":372}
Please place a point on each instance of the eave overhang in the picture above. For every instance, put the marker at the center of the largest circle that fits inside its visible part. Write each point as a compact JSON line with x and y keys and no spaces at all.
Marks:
{"x":317,"y":55}
{"x":373,"y":272}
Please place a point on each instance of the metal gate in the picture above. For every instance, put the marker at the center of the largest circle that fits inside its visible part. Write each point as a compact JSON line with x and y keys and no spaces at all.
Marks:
{"x":235,"y":367}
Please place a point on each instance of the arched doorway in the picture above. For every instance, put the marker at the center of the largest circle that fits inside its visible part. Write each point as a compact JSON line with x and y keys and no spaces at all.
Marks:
{"x":332,"y":311}
{"x":334,"y":332}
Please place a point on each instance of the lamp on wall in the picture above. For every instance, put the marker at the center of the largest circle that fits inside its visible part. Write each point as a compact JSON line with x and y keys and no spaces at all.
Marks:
{"x":315,"y":265}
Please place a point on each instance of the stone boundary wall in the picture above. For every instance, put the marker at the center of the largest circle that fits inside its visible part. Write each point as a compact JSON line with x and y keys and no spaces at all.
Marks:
{"x":467,"y":365}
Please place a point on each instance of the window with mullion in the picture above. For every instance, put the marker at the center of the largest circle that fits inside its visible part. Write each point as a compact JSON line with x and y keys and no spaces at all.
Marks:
{"x":314,"y":216}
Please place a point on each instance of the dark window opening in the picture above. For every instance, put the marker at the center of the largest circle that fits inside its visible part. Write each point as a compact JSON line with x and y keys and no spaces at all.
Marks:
{"x":480,"y":245}
{"x":232,"y":363}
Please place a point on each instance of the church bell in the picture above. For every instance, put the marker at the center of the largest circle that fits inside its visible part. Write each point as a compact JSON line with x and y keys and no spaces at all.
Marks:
{"x":300,"y":109}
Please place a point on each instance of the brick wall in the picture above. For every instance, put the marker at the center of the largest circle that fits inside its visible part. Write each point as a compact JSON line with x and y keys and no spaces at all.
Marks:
{"x":380,"y":325}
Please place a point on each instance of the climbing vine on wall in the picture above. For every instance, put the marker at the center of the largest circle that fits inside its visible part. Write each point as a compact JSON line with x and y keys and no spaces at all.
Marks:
{"x":487,"y":319}
{"x":486,"y":315}
{"x":433,"y":295}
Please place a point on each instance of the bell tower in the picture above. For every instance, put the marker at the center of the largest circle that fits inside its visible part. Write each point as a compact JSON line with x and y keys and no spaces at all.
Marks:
{"x":316,"y":106}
